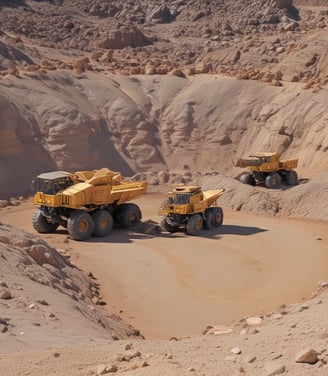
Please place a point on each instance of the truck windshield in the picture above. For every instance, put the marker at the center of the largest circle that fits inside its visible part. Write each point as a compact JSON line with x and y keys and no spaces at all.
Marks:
{"x":51,"y":187}
{"x":182,"y":199}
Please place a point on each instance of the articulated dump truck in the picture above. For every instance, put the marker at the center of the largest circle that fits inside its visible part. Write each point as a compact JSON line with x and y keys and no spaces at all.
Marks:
{"x":268,"y":168}
{"x":191,"y":208}
{"x":86,"y":203}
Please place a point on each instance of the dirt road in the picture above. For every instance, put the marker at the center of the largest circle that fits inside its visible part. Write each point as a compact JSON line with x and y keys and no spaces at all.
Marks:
{"x":176,"y":285}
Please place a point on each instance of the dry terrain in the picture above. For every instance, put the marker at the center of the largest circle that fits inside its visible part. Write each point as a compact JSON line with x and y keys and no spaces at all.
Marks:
{"x":169,"y":92}
{"x":190,"y":297}
{"x":257,"y":284}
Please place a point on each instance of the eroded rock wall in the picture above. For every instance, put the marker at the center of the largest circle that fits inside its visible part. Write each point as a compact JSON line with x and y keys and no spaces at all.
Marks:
{"x":152,"y":123}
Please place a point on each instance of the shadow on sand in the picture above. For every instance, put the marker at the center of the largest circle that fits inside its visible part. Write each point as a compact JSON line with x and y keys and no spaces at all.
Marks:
{"x":119,"y":235}
{"x":240,"y":230}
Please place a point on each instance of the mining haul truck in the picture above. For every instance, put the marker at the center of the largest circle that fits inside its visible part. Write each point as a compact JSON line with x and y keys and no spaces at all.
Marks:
{"x":190,"y":208}
{"x":85,"y":202}
{"x":269,"y":169}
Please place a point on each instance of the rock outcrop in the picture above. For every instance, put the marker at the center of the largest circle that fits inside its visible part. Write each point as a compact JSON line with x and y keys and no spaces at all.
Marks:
{"x":152,"y":123}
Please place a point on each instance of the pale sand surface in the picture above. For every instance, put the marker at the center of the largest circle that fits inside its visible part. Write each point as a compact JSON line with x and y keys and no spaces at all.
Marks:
{"x":176,"y":285}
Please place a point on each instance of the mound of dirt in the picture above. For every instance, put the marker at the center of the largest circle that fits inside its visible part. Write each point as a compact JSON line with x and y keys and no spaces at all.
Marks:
{"x":297,"y":201}
{"x":46,"y":301}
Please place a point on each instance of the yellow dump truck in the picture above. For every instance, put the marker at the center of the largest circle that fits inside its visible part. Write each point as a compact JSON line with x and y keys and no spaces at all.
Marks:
{"x":190,"y":208}
{"x":85,"y":202}
{"x":267,"y":167}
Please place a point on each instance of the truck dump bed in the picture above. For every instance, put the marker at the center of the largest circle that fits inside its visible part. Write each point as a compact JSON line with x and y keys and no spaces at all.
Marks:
{"x":288,"y":164}
{"x":209,"y":198}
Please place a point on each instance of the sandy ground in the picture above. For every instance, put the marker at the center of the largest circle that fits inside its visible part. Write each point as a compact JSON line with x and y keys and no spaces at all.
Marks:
{"x":176,"y":285}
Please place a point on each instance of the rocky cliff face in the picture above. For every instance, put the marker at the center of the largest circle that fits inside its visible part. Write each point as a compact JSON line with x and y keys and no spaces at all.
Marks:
{"x":159,"y":87}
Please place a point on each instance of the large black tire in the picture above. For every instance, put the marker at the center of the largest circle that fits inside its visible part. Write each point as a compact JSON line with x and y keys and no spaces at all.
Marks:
{"x":80,"y":225}
{"x":247,"y":178}
{"x":41,"y":223}
{"x":129,"y":215}
{"x":273,"y":180}
{"x":217,"y":216}
{"x":169,"y":228}
{"x":194,"y":224}
{"x":103,"y":221}
{"x":208,"y":221}
{"x":292,"y":178}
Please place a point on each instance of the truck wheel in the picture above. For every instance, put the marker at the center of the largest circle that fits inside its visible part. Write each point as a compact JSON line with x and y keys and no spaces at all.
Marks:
{"x":103,"y":223}
{"x":292,"y":178}
{"x":273,"y":180}
{"x":80,"y":225}
{"x":247,"y":178}
{"x":208,"y":222}
{"x":169,"y":228}
{"x":42,"y":224}
{"x":129,"y":215}
{"x":194,"y":224}
{"x":217,"y":216}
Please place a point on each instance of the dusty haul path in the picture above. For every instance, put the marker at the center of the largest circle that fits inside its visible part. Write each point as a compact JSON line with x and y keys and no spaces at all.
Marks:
{"x":176,"y":285}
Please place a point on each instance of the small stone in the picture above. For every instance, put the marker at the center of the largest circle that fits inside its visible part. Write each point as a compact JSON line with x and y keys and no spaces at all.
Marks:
{"x":235,"y":350}
{"x":318,"y":237}
{"x":3,"y":328}
{"x":277,"y":316}
{"x":309,"y":356}
{"x":5,"y":293}
{"x":124,"y":358}
{"x":14,"y":202}
{"x":254,"y":321}
{"x":3,"y":321}
{"x":217,"y":330}
{"x":323,"y":284}
{"x":43,"y":302}
{"x":249,"y":359}
{"x":112,"y":368}
{"x":4,"y":203}
{"x":136,"y":354}
{"x":101,"y":370}
{"x":128,"y":346}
